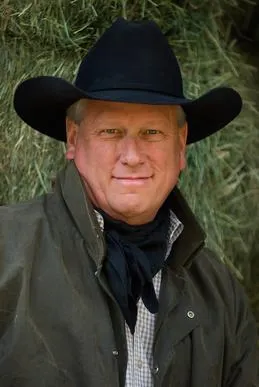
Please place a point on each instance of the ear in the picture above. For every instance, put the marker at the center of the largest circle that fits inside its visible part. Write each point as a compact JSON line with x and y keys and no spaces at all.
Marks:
{"x":72,"y":133}
{"x":183,"y":139}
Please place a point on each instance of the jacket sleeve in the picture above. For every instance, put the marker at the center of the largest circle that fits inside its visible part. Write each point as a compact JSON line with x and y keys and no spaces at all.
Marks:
{"x":243,"y":371}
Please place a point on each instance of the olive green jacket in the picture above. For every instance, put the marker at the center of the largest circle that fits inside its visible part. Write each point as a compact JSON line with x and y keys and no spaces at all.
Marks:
{"x":61,"y":326}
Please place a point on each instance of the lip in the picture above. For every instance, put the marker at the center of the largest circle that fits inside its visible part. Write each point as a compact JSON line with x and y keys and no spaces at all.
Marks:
{"x":131,"y":177}
{"x":132,"y":180}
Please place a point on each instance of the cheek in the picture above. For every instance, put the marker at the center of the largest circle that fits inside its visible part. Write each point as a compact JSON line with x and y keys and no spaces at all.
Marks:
{"x":168,"y":164}
{"x":167,"y":159}
{"x":94,"y":159}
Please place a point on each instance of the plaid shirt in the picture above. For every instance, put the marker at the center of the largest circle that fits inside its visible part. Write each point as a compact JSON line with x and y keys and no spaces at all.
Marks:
{"x":140,"y":366}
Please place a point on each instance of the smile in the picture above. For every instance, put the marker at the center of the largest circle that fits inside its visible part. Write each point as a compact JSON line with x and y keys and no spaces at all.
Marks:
{"x":131,"y":180}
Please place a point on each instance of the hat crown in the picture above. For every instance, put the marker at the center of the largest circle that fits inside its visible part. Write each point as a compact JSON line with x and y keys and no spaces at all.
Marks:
{"x":131,"y":55}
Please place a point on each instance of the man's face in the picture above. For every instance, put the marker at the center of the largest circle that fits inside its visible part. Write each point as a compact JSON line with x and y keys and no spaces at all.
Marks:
{"x":129,"y":156}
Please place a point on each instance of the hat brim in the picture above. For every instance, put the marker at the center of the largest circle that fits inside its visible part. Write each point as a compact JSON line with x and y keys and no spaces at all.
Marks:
{"x":42,"y":102}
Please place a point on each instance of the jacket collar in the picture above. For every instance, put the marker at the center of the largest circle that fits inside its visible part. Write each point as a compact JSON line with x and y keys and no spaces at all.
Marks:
{"x":191,"y":239}
{"x":71,"y":188}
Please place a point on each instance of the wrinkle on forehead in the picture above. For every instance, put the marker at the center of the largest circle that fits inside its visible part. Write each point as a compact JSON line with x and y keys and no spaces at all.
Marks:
{"x":98,"y":112}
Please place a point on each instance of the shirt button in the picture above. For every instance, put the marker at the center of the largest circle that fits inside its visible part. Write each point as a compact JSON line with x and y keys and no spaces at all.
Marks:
{"x":190,"y":314}
{"x":139,"y":363}
{"x":115,"y":353}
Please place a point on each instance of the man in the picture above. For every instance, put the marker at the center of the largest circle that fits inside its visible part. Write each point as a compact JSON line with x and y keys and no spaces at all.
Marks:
{"x":106,"y":281}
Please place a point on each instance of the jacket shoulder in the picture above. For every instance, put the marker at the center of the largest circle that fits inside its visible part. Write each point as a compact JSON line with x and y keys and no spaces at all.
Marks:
{"x":209,"y":271}
{"x":19,"y":225}
{"x":22,"y":215}
{"x":32,"y":206}
{"x":20,"y":230}
{"x":209,"y":264}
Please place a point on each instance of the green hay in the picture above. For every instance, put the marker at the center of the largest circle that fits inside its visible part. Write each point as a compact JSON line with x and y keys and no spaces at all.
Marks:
{"x":222,"y":179}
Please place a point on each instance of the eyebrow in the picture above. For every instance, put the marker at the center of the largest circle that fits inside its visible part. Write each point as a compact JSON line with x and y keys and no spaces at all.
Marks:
{"x":114,"y":122}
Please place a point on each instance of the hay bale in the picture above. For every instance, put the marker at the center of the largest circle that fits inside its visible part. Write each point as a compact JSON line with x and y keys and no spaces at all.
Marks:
{"x":50,"y":37}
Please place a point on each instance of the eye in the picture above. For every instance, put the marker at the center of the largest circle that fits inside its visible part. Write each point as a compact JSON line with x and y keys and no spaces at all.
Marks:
{"x":152,"y":134}
{"x":110,"y":132}
{"x":152,"y":131}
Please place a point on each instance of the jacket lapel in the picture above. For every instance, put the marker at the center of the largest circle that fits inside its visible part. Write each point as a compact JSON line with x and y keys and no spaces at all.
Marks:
{"x":192,"y":237}
{"x":175,"y":299}
{"x":72,"y":190}
{"x":177,"y":318}
{"x":184,"y":250}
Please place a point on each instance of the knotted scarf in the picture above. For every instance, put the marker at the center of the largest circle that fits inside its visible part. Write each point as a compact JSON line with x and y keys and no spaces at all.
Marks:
{"x":134,"y":255}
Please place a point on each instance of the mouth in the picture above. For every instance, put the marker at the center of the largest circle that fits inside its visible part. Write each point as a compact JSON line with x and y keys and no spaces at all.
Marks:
{"x":132,"y":180}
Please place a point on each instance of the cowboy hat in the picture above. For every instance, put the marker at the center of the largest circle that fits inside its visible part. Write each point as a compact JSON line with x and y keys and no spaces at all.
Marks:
{"x":131,"y":62}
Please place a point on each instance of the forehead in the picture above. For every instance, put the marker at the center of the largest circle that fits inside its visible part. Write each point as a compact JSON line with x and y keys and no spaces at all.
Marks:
{"x":100,"y":111}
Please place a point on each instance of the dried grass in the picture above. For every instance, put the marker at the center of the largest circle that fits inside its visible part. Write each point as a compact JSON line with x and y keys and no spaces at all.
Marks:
{"x":222,"y":179}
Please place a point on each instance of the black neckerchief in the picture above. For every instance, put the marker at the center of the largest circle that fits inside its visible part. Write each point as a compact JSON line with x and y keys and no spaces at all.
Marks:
{"x":134,"y":255}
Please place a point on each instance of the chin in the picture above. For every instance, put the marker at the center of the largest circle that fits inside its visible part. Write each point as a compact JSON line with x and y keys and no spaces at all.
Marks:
{"x":131,"y":212}
{"x":129,"y":208}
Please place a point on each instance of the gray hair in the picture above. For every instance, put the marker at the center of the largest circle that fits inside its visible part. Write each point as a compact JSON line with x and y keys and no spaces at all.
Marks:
{"x":76,"y":111}
{"x":181,"y":116}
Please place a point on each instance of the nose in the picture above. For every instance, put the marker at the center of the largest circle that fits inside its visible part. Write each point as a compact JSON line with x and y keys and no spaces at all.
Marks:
{"x":130,"y":152}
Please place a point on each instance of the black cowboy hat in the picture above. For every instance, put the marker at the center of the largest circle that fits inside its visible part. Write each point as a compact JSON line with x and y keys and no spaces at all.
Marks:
{"x":131,"y":62}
